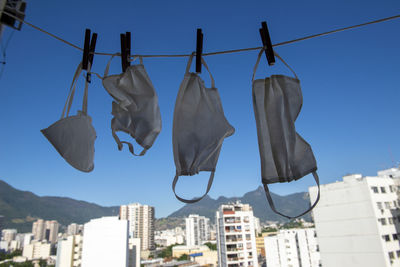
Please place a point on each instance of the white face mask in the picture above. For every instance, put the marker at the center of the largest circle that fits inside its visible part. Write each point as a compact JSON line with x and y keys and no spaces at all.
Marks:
{"x":285,"y":155}
{"x":136,"y":111}
{"x":73,"y":137}
{"x":199,"y":128}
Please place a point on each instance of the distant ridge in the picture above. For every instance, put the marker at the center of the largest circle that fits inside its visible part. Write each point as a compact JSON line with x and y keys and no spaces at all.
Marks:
{"x":291,"y":204}
{"x":21,"y":208}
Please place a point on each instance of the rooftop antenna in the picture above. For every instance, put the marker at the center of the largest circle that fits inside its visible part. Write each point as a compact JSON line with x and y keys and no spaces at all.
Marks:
{"x":392,"y":158}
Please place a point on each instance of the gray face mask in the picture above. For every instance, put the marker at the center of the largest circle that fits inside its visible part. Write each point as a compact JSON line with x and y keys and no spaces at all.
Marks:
{"x":199,"y":128}
{"x":73,"y":136}
{"x":285,"y":155}
{"x":135,"y":109}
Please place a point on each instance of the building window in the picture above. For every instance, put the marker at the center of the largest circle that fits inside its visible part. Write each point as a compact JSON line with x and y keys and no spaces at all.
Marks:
{"x":387,"y":205}
{"x":391,"y":187}
{"x":374,"y":189}
{"x":382,"y":221}
{"x":391,"y":255}
{"x":390,"y":220}
{"x":383,"y":189}
{"x":248,"y":245}
{"x":379,"y":204}
{"x":398,"y":253}
{"x":395,"y":203}
{"x":395,"y":237}
{"x":386,"y":238}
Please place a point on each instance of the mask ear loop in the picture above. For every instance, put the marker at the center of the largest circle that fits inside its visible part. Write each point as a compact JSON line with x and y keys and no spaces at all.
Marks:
{"x":278,"y":56}
{"x":190,"y":201}
{"x":71,"y":93}
{"x":271,"y":202}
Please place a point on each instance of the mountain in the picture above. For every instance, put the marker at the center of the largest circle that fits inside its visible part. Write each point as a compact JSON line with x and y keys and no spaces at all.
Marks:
{"x":21,"y":208}
{"x":290,"y":205}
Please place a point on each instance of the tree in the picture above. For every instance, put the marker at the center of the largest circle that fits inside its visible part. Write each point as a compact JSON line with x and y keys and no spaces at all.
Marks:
{"x":166,"y":252}
{"x":211,"y":245}
{"x":183,"y":257}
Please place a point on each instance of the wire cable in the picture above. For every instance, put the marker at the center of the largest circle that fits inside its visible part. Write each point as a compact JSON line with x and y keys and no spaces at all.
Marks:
{"x":3,"y":53}
{"x":211,"y":53}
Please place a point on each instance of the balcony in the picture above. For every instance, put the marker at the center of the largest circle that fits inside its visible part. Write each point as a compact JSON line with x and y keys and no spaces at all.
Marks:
{"x":228,"y":212}
{"x":233,"y":240}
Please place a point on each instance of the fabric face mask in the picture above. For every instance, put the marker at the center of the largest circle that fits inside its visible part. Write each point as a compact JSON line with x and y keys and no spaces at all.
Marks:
{"x":135,"y":109}
{"x":74,"y":136}
{"x":285,"y":155}
{"x":199,"y":128}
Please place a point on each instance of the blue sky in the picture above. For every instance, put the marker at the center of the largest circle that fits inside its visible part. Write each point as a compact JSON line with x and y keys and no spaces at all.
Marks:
{"x":349,"y":80}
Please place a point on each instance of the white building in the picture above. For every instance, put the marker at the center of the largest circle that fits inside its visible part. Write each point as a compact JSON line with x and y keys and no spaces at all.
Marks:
{"x":257,"y":225}
{"x":357,"y":221}
{"x":28,"y":237}
{"x":74,"y":229}
{"x":292,"y":247}
{"x":37,"y":250}
{"x":236,"y":242}
{"x":51,"y":231}
{"x":170,"y":237}
{"x":39,"y":230}
{"x":197,"y":230}
{"x":69,"y":251}
{"x":8,"y":234}
{"x":134,"y":252}
{"x":45,"y":230}
{"x":105,"y":243}
{"x":141,"y":223}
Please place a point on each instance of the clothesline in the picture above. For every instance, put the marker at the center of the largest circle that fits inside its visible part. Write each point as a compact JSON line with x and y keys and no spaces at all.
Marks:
{"x":210,"y":53}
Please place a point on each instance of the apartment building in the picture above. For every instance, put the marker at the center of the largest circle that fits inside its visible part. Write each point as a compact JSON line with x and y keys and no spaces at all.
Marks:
{"x":45,"y":230}
{"x":105,"y":243}
{"x":37,"y":250}
{"x":292,"y":248}
{"x":141,"y":223}
{"x":197,"y":230}
{"x":357,"y":220}
{"x":69,"y":251}
{"x":236,"y":240}
{"x":8,"y":234}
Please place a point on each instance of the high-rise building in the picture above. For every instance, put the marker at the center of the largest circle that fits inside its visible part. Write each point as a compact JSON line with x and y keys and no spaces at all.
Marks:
{"x":69,"y":251}
{"x":197,"y":230}
{"x":45,"y":230}
{"x":141,"y":223}
{"x":105,"y":243}
{"x":358,"y":221}
{"x":75,"y":229}
{"x":257,"y":225}
{"x":39,"y":230}
{"x":51,"y":231}
{"x":134,"y":252}
{"x":236,"y":236}
{"x":292,"y":247}
{"x":8,"y":234}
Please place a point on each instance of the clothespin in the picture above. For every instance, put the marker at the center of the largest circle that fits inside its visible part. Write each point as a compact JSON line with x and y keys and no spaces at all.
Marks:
{"x":89,"y":48}
{"x":266,"y":40}
{"x":199,"y":50}
{"x":125,"y":50}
